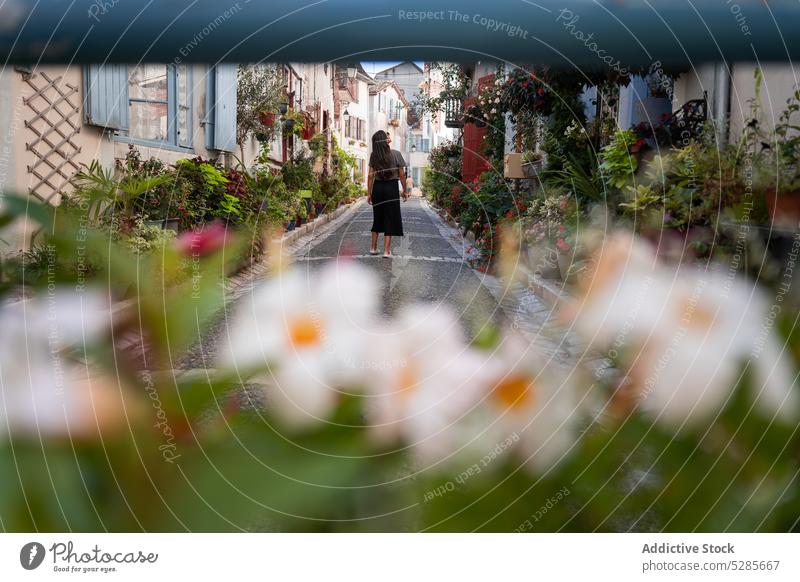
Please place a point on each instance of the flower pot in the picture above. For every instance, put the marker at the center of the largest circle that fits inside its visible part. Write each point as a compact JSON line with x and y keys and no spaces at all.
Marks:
{"x":545,"y":262}
{"x":564,"y":263}
{"x":529,"y":170}
{"x":288,"y":124}
{"x":783,"y":207}
{"x":298,"y":221}
{"x":267,"y":118}
{"x":290,"y":226}
{"x":283,"y":107}
{"x":308,"y":132}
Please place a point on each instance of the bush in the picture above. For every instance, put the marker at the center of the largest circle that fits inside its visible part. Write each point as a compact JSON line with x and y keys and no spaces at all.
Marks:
{"x":442,"y":182}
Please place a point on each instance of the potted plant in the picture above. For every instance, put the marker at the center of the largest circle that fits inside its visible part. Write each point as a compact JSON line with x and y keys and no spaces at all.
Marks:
{"x":782,"y":196}
{"x":531,"y":163}
{"x":283,"y":107}
{"x":293,"y":123}
{"x":267,"y":118}
{"x":308,"y":129}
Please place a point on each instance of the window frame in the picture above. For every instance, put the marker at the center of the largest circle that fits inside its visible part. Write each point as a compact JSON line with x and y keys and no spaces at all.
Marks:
{"x":174,"y":141}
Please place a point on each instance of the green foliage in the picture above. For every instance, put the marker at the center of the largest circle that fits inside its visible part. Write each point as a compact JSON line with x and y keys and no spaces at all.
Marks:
{"x":259,"y":89}
{"x":146,"y":238}
{"x":442,"y":182}
{"x":617,"y":163}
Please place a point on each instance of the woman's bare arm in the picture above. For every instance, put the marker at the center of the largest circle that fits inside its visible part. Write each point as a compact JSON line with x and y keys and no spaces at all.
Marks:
{"x":403,"y":182}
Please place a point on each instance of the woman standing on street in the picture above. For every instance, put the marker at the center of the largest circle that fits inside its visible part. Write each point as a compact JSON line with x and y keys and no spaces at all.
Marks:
{"x":386,"y":169}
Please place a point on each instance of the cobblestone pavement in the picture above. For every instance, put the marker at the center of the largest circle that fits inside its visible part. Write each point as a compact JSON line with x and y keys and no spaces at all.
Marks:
{"x":429,"y":264}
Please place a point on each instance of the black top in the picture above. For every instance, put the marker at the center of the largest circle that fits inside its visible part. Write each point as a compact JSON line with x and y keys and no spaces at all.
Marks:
{"x":394,"y":171}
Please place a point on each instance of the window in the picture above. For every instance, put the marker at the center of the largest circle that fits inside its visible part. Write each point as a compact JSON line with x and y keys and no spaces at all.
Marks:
{"x":348,"y":124}
{"x":361,"y":129}
{"x":160,"y":104}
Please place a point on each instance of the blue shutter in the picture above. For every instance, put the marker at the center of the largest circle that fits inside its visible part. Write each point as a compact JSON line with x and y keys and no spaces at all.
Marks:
{"x":221,"y":133}
{"x":106,"y":95}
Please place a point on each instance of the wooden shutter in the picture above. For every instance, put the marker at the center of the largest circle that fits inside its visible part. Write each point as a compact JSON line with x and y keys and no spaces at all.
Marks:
{"x":106,"y":95}
{"x":221,"y":118}
{"x":474,"y":162}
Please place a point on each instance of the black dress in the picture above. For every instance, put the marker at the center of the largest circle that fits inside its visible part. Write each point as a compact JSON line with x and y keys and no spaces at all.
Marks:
{"x":386,"y":217}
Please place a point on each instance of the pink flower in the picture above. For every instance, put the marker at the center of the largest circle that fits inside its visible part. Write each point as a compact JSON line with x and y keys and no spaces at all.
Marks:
{"x":204,"y":241}
{"x":563,"y":245}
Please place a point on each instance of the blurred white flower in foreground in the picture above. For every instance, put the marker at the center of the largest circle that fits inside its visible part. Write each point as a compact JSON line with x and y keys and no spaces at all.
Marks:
{"x":451,"y":402}
{"x":44,"y":390}
{"x":304,"y":335}
{"x":536,"y":400}
{"x":683,"y":334}
{"x":422,"y":381}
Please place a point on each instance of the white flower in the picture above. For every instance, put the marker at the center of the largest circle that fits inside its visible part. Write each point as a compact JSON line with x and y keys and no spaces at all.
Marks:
{"x":684,"y":335}
{"x":497,"y":100}
{"x":308,"y":332}
{"x":451,"y":403}
{"x":494,"y":110}
{"x":425,"y":380}
{"x":46,"y":390}
{"x":536,"y":401}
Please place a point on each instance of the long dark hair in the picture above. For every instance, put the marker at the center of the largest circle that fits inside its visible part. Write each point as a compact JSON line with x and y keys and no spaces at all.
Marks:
{"x":381,"y":157}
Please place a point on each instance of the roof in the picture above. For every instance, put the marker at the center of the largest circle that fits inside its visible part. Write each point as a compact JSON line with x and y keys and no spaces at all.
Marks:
{"x":412,"y":63}
{"x":381,"y":85}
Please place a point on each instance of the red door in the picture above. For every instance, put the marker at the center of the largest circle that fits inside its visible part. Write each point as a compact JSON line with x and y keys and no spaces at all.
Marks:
{"x":474,"y":162}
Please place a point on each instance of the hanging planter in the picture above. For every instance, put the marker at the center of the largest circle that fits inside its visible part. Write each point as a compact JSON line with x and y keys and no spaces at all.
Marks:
{"x":308,"y":131}
{"x":267,"y":118}
{"x":283,"y":107}
{"x":288,"y":125}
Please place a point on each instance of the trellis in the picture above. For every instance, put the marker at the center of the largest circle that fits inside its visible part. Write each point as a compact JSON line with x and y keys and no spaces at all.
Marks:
{"x":55,"y":123}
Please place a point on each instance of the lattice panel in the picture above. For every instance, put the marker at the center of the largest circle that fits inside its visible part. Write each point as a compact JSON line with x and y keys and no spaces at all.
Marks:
{"x":55,"y":123}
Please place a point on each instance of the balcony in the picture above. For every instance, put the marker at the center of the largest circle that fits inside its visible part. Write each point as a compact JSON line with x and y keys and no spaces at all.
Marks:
{"x":454,"y":112}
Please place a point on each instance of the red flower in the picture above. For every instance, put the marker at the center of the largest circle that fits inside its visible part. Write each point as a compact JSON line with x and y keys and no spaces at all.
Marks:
{"x":540,"y":90}
{"x":202,"y":242}
{"x":563,"y":245}
{"x":525,"y":84}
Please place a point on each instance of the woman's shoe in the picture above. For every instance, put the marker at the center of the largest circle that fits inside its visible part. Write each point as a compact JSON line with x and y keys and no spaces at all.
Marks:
{"x":373,"y":252}
{"x":387,"y":255}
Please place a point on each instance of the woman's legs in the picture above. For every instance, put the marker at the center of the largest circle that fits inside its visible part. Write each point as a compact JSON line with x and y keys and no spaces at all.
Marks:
{"x":387,"y":244}
{"x":374,"y":246}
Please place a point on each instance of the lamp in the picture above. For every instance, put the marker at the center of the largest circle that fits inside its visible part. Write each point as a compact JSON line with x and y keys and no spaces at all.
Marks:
{"x":413,"y":148}
{"x":346,"y":115}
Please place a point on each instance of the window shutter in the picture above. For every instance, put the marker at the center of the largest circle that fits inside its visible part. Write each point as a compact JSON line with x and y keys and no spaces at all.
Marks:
{"x":106,"y":95}
{"x":221,"y":134}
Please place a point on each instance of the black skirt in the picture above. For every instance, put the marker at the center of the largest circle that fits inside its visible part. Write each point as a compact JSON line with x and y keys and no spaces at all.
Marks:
{"x":386,"y":207}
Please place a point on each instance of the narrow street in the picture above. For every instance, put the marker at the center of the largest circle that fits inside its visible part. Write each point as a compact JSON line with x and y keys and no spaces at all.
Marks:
{"x":429,"y":265}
